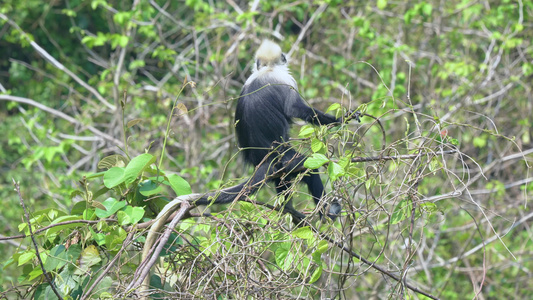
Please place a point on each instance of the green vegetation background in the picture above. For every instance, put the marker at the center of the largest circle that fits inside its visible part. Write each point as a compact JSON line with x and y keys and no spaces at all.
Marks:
{"x":66,"y":66}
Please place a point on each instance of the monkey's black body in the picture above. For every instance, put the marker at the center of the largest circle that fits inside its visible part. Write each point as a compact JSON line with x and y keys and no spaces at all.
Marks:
{"x":265,"y":110}
{"x":266,"y":117}
{"x":262,"y":127}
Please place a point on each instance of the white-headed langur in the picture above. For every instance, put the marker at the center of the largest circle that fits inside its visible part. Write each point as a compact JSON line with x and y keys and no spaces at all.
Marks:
{"x":266,"y":107}
{"x":269,"y":101}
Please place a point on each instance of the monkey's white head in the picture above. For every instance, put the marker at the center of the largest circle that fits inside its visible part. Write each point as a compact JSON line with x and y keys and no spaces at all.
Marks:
{"x":269,"y":55}
{"x":271,"y":65}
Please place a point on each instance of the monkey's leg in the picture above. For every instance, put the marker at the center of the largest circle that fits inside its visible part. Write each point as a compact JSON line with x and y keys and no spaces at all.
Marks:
{"x":316,"y":188}
{"x":281,"y":187}
{"x":293,"y":160}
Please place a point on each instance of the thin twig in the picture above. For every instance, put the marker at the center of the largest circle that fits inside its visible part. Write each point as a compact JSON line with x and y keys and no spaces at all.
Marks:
{"x":125,"y":244}
{"x":21,"y":236}
{"x":405,"y":156}
{"x":27,"y":216}
{"x":317,"y":12}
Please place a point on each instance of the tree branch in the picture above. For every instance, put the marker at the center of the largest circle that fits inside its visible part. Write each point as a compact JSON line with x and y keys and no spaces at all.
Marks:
{"x":62,"y":115}
{"x":58,"y":65}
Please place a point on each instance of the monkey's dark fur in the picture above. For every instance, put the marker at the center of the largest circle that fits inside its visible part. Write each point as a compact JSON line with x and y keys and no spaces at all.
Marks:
{"x":268,"y":103}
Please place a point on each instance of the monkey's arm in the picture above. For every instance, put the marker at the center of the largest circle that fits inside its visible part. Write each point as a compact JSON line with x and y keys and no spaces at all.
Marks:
{"x":314,"y":116}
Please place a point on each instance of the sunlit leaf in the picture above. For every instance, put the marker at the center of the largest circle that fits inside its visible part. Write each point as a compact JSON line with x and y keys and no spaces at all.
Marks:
{"x":136,"y":166}
{"x":114,"y":177}
{"x":179,"y":185}
{"x":303,"y":233}
{"x":315,"y":161}
{"x":112,"y":206}
{"x":316,"y":274}
{"x":402,"y":211}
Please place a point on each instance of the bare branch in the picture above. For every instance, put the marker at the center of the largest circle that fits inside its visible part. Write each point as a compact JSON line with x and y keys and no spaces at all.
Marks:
{"x":62,"y":116}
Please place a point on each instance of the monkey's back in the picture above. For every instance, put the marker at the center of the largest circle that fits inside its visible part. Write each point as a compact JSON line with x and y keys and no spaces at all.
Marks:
{"x":261,"y":118}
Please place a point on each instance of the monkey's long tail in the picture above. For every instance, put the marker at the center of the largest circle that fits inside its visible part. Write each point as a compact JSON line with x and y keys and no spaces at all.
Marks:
{"x":244,"y":189}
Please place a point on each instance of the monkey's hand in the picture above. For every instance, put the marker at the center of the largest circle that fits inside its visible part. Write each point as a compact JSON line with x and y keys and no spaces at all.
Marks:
{"x":353,"y":115}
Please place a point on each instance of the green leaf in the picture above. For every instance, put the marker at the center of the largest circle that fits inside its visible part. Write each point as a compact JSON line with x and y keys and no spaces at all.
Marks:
{"x":427,"y":9}
{"x":335,"y":171}
{"x":496,"y":186}
{"x":99,"y":238}
{"x":322,"y":247}
{"x":408,"y":16}
{"x":179,"y":185}
{"x":90,"y":256}
{"x":88,"y":40}
{"x":130,"y":215}
{"x":304,"y":233}
{"x":26,"y":257}
{"x":50,"y":232}
{"x":317,"y":145}
{"x":428,"y":207}
{"x":136,"y":166}
{"x":401,"y":212}
{"x":50,"y":152}
{"x":136,"y":213}
{"x":315,"y":161}
{"x":115,"y":238}
{"x":36,"y":272}
{"x":114,"y":177}
{"x":99,"y":40}
{"x":119,"y":40}
{"x":95,"y":3}
{"x":246,"y":16}
{"x":22,"y":226}
{"x":135,"y":64}
{"x":306,"y":131}
{"x":105,"y":285}
{"x":284,"y":257}
{"x":95,"y":175}
{"x":316,"y":274}
{"x":112,"y":205}
{"x":345,"y":162}
{"x":149,"y":188}
{"x":480,"y":141}
{"x":68,"y":12}
{"x":57,"y":258}
{"x":333,"y":107}
{"x":79,"y":207}
{"x":73,"y":252}
{"x":121,"y":17}
{"x":89,"y":214}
